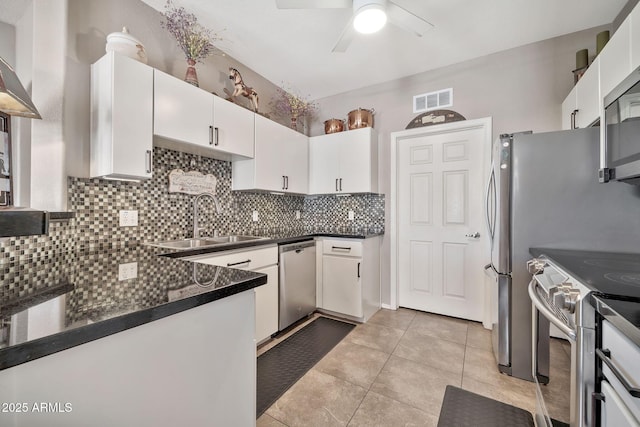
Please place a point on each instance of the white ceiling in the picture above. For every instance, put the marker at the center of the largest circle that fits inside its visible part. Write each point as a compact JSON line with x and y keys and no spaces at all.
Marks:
{"x":294,"y":46}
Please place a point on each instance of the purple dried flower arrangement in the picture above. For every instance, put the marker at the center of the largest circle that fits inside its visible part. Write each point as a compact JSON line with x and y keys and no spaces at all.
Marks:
{"x":195,"y":40}
{"x":289,"y":104}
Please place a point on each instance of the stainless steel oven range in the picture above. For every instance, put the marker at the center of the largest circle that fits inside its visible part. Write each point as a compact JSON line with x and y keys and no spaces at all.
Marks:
{"x":562,"y":287}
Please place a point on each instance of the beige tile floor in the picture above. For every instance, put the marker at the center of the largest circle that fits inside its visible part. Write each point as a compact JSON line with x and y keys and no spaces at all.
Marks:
{"x":393,"y":370}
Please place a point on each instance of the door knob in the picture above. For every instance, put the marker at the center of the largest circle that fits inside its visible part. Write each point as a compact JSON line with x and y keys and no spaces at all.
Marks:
{"x":475,"y":235}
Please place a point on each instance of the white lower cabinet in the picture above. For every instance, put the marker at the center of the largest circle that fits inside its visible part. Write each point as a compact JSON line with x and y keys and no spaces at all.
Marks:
{"x":267,"y":304}
{"x":342,"y":284}
{"x":261,"y":260}
{"x":350,"y":277}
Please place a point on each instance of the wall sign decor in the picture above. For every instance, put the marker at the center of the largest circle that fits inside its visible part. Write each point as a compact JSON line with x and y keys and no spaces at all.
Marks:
{"x":192,"y":182}
{"x":435,"y":117}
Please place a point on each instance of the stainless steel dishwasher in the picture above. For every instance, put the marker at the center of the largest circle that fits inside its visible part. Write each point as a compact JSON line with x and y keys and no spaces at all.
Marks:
{"x":297,"y":281}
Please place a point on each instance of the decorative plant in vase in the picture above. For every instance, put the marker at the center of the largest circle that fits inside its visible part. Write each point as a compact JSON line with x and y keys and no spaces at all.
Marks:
{"x":195,"y":40}
{"x":288,"y":104}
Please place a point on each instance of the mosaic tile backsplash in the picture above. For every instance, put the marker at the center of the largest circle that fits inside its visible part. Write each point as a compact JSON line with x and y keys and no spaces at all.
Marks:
{"x":168,"y":216}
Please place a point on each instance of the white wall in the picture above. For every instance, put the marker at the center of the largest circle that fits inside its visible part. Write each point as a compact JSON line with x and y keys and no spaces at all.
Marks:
{"x":8,"y":43}
{"x":521,"y":89}
{"x":21,"y":127}
{"x":56,"y":42}
{"x":48,"y":145}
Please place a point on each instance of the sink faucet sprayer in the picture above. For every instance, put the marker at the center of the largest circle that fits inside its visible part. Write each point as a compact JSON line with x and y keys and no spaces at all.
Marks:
{"x":196,"y":229}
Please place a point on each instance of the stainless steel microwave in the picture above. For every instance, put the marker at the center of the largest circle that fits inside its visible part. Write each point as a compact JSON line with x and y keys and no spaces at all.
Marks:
{"x":621,"y":143}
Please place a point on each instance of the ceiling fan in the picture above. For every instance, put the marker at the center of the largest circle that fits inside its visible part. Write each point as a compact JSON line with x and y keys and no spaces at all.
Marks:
{"x":369,"y":16}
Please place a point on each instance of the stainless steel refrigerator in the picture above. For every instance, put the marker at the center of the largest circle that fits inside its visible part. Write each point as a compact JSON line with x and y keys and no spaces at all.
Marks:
{"x":543,"y":191}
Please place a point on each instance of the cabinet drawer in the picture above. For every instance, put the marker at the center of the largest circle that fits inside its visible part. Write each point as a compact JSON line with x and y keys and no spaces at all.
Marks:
{"x":625,"y":356}
{"x":242,"y":259}
{"x":342,"y":247}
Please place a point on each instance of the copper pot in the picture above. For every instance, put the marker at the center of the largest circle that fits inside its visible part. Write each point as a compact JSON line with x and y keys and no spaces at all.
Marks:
{"x":360,"y":118}
{"x":333,"y":125}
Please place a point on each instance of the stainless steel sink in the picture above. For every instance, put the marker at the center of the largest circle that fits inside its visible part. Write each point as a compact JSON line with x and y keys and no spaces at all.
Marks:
{"x":204,"y":242}
{"x":234,"y":238}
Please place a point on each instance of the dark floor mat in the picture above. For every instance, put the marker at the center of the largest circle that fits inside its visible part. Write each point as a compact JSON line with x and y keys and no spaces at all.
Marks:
{"x":280,"y":367}
{"x":462,"y":408}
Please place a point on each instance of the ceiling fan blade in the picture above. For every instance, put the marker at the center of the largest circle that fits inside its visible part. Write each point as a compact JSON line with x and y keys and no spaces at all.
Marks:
{"x":314,"y":4}
{"x":345,"y":38}
{"x":407,"y":20}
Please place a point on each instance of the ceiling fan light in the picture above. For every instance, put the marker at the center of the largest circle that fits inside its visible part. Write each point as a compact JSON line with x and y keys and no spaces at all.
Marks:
{"x":369,"y":19}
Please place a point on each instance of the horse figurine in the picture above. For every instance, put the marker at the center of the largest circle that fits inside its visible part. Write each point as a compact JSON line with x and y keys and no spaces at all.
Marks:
{"x":243,"y":89}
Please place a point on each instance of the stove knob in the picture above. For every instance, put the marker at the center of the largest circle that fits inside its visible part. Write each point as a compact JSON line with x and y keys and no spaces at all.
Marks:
{"x":571,"y":299}
{"x":535,"y":265}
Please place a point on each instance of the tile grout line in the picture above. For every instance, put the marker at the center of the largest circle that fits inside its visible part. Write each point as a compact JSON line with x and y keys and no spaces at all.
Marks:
{"x":382,"y":369}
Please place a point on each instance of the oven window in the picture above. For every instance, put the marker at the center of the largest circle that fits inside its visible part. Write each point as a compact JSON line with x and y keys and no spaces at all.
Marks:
{"x":623,"y":128}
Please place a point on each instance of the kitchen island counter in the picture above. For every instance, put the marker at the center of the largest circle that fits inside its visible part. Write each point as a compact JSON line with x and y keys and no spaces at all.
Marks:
{"x":54,"y":302}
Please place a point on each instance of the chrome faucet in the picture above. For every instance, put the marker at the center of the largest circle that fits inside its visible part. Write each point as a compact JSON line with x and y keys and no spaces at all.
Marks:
{"x":196,"y":228}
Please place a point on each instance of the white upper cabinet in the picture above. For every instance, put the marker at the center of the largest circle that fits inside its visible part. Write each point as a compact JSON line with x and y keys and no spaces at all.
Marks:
{"x":634,"y":16}
{"x":583,"y":105}
{"x":344,"y":162}
{"x":121,"y":118}
{"x":233,"y":128}
{"x":190,"y":119}
{"x":615,"y":58}
{"x":182,"y":112}
{"x":280,"y":163}
{"x":589,"y":102}
{"x":569,"y":106}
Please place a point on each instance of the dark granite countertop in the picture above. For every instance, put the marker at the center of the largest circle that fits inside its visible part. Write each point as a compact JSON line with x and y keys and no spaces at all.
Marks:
{"x":92,"y":301}
{"x":73,"y":298}
{"x":279,"y":238}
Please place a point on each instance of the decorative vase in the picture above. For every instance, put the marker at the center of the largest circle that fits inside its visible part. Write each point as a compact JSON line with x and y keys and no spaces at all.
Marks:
{"x":191,"y":77}
{"x":294,"y":122}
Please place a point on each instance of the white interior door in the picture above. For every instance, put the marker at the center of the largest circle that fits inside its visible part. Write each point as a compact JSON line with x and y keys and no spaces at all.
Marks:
{"x":439,"y":211}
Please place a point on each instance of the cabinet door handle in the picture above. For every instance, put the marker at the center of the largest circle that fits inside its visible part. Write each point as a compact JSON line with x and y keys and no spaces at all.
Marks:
{"x":149,"y":161}
{"x":216,"y":136}
{"x":210,"y":135}
{"x":286,"y":180}
{"x":337,"y":184}
{"x":573,"y":119}
{"x":358,"y":270}
{"x":283,"y":183}
{"x":605,"y":356}
{"x":231,"y":264}
{"x":340,"y":184}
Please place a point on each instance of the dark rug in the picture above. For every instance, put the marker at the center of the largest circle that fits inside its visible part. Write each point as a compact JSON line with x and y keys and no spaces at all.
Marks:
{"x":280,"y":367}
{"x":462,"y":408}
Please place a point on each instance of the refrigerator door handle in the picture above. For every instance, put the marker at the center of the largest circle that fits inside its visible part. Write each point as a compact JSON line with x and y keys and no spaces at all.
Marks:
{"x":490,"y":184}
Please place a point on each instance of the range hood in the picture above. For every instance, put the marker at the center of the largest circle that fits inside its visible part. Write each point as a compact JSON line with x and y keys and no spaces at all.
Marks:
{"x":17,"y":221}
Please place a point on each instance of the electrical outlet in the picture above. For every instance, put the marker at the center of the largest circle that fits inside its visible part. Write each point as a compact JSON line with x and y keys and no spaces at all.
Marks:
{"x":128,"y":218}
{"x":254,"y":216}
{"x":351,"y":216}
{"x":297,"y":214}
{"x":127,"y":271}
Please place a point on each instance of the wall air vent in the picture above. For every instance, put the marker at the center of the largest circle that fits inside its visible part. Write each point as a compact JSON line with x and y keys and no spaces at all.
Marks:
{"x":433,"y":100}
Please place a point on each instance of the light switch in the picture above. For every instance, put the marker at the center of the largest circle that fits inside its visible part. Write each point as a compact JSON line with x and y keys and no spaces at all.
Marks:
{"x":351,"y":216}
{"x":255,"y":216}
{"x":297,"y":214}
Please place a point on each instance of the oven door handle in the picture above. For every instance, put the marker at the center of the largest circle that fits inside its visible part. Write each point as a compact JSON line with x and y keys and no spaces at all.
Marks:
{"x":605,"y":356}
{"x":544,"y":309}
